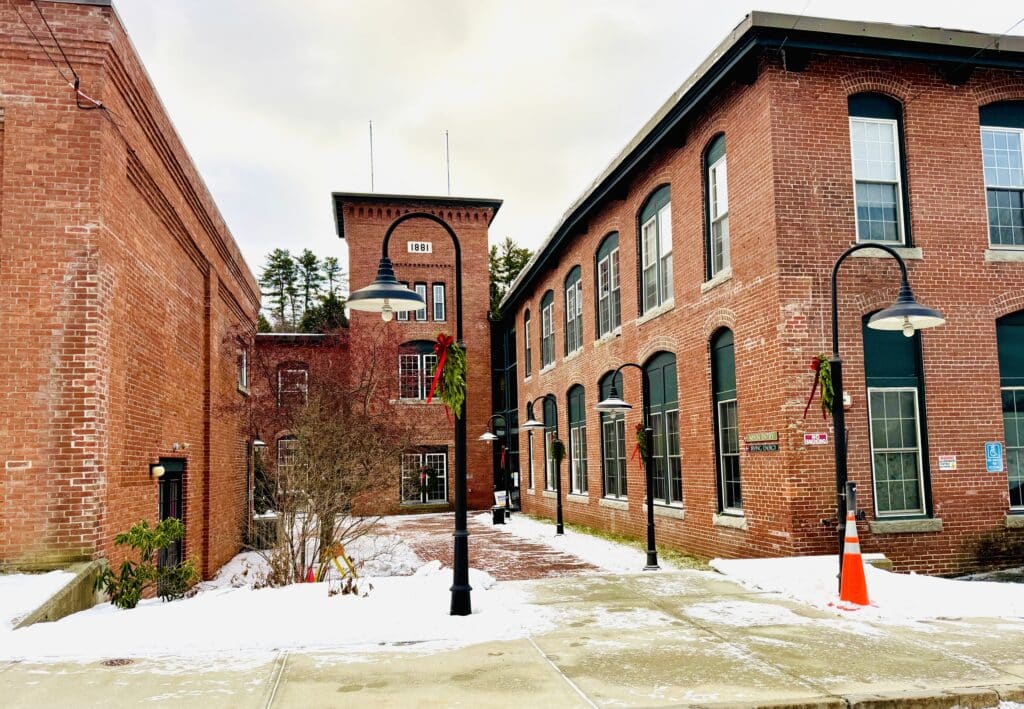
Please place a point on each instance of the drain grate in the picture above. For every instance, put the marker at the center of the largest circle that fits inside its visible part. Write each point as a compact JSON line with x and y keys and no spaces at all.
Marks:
{"x":117,"y":662}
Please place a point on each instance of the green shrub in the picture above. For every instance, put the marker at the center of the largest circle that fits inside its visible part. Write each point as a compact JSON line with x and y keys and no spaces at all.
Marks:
{"x":127,"y":587}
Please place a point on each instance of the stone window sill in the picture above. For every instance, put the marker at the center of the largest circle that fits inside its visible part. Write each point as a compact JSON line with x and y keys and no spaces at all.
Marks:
{"x":656,"y":312}
{"x":669,"y":511}
{"x":618,"y":503}
{"x":1004,"y":255}
{"x":907,"y":253}
{"x":731,"y":521}
{"x":572,"y":355}
{"x":723,"y":276}
{"x":1015,"y":521}
{"x":550,"y":494}
{"x":548,"y":368}
{"x":528,"y":378}
{"x":608,"y":337}
{"x":905,"y":526}
{"x":580,"y":498}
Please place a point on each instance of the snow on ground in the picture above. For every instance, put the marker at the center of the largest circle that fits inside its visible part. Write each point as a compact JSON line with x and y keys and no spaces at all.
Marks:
{"x":606,"y":555}
{"x":20,"y":594}
{"x":894,"y":597}
{"x":229,"y":621}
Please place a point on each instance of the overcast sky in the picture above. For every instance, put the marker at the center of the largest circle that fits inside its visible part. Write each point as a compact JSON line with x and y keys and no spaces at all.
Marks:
{"x":273,"y":97}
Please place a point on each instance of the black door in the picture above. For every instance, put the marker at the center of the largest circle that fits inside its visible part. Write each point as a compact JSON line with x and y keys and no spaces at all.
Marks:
{"x":171,"y":506}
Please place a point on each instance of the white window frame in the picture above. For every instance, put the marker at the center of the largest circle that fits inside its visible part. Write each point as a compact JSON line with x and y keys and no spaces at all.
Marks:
{"x":610,"y":427}
{"x":287,"y":461}
{"x":578,"y":459}
{"x":424,"y":362}
{"x":403,"y":315}
{"x":722,"y":455}
{"x":893,"y":125}
{"x":660,"y":260}
{"x":421,"y":460}
{"x":920,"y":455}
{"x":243,"y":369}
{"x":421,"y":290}
{"x":529,"y":460}
{"x":1015,"y":508}
{"x":437,"y":292}
{"x":549,"y":461}
{"x":302,"y":387}
{"x":527,"y":352}
{"x":609,"y":297}
{"x":717,"y":217}
{"x":1018,"y":188}
{"x":547,"y":335}
{"x":574,"y":316}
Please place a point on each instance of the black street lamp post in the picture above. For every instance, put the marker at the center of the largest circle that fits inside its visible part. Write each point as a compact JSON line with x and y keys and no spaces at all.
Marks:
{"x":490,"y":436}
{"x":613,"y":404}
{"x":532,"y":423}
{"x":387,"y":296}
{"x":905,"y":315}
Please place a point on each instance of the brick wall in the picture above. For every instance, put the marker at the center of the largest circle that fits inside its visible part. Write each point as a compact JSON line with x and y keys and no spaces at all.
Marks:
{"x":121,"y":285}
{"x":791,"y":215}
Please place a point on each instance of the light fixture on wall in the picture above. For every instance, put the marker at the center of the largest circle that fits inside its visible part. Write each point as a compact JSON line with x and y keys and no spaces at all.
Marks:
{"x":156,"y":471}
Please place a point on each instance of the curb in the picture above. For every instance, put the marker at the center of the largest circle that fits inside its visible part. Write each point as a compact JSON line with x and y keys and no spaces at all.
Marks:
{"x":965,"y":698}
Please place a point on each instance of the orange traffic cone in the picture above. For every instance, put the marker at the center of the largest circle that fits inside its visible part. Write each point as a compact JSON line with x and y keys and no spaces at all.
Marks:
{"x":853,"y":587}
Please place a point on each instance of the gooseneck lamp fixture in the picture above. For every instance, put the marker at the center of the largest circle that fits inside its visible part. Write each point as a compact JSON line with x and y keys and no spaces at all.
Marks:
{"x":533,"y":424}
{"x":906,"y":315}
{"x":614,"y":404}
{"x":387,"y":296}
{"x":489,"y":436}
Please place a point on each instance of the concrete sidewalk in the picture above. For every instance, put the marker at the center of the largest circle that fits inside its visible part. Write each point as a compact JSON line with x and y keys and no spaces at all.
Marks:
{"x":662,"y":639}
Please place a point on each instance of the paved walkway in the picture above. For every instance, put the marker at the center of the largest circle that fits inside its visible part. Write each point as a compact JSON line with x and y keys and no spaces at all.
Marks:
{"x":504,"y":557}
{"x":687,"y":638}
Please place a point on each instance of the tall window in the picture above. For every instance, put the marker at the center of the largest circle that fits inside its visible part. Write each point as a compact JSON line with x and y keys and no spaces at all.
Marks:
{"x":529,"y":459}
{"x":550,"y":426}
{"x":613,"y":442}
{"x":547,"y":330}
{"x":876,"y":144}
{"x":666,"y":468}
{"x":609,"y":303}
{"x":573,"y":311}
{"x":656,"y":250}
{"x":895,"y":400}
{"x":243,"y":369}
{"x":292,"y":384}
{"x":421,"y":291}
{"x":1002,"y":151}
{"x":527,"y":352}
{"x":416,"y":364}
{"x":727,"y":431}
{"x":425,"y":476}
{"x":403,"y":315}
{"x":716,"y":191}
{"x":438,"y":300}
{"x":577,"y":441}
{"x":287,"y":450}
{"x":1010,"y":339}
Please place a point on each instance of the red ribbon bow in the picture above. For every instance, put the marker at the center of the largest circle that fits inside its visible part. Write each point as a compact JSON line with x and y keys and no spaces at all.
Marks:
{"x":441,"y":350}
{"x":636,"y":449}
{"x":815,"y":365}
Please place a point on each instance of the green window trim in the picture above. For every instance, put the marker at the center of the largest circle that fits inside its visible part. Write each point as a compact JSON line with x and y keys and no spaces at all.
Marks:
{"x":607,"y":286}
{"x":1010,"y":344}
{"x":527,"y":352}
{"x":1002,"y":149}
{"x":613,"y":442}
{"x":654,"y":251}
{"x":726,"y":422}
{"x":717,"y":240}
{"x":550,"y":429}
{"x":547,"y":330}
{"x":572,"y":321}
{"x":664,"y":421}
{"x":577,"y":446}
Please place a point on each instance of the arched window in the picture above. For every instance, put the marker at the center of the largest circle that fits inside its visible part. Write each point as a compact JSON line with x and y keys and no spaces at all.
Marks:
{"x":609,"y":303}
{"x":550,"y":433}
{"x":656,"y":250}
{"x":1010,"y":341}
{"x":292,"y":384}
{"x":1002,"y":152}
{"x":879,"y":156}
{"x":577,"y":441}
{"x":416,"y":363}
{"x":727,"y":429}
{"x":527,"y":351}
{"x":573,"y":310}
{"x":666,"y":468}
{"x":613,"y":441}
{"x":892,"y":368}
{"x":716,"y":206}
{"x":547,"y":330}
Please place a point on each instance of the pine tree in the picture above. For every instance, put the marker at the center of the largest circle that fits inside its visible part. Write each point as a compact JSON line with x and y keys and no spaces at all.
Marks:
{"x":506,"y":261}
{"x":327,"y":316}
{"x":332,"y":273}
{"x":277,"y":281}
{"x":310,"y":278}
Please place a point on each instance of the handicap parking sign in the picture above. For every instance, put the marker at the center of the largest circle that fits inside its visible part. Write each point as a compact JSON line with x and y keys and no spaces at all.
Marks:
{"x":994,"y":457}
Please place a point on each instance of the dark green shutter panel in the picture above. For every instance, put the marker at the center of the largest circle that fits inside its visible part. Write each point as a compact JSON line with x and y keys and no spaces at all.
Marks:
{"x":724,"y":366}
{"x":1010,"y":341}
{"x":715,"y":150}
{"x":1005,"y":114}
{"x":610,"y":243}
{"x":872,"y":105}
{"x":576,"y":403}
{"x":655,"y":202}
{"x":890,"y":359}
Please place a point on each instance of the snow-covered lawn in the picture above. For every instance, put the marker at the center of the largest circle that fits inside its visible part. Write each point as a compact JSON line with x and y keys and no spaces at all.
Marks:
{"x":606,"y":555}
{"x":894,"y":597}
{"x":405,"y":604}
{"x":20,"y":594}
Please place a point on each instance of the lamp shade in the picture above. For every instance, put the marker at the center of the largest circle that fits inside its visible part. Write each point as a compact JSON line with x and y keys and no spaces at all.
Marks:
{"x":906,"y":315}
{"x":487,"y":436}
{"x":613,"y":404}
{"x":385,"y":294}
{"x":258,"y":443}
{"x":531,"y":423}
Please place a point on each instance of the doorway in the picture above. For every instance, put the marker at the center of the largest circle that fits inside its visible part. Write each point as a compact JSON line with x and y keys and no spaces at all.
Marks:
{"x":171,"y":505}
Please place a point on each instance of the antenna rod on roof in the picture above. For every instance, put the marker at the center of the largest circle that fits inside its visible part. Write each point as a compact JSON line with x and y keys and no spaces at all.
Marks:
{"x":371,"y":156}
{"x":448,"y":162}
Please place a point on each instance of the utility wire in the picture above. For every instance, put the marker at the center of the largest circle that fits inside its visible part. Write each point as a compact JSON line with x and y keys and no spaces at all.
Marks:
{"x":795,"y":22}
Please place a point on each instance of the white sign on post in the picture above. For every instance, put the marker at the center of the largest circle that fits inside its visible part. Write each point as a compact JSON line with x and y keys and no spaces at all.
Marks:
{"x":420,"y":247}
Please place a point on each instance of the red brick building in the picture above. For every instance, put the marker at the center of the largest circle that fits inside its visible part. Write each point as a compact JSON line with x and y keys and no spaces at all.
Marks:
{"x":703,"y":253}
{"x":122,"y":292}
{"x":424,"y":258}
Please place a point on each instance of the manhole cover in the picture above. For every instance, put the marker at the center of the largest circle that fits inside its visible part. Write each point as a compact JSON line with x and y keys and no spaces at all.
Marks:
{"x":118,"y":662}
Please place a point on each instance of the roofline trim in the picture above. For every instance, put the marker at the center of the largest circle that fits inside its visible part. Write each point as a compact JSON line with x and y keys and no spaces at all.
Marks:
{"x":339,"y":198}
